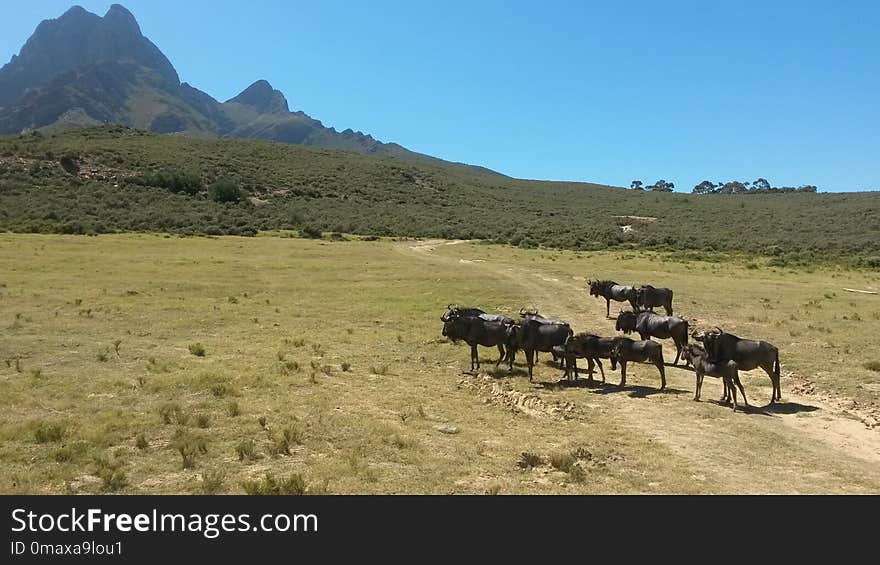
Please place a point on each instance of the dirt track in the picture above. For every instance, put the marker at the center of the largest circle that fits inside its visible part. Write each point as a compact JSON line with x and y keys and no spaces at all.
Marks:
{"x":799,"y":445}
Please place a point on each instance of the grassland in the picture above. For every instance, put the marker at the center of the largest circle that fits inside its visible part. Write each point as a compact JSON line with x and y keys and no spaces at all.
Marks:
{"x":294,"y":187}
{"x":160,"y":364}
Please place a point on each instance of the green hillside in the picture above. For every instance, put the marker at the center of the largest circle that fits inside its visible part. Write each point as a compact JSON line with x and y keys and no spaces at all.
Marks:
{"x":109,"y":184}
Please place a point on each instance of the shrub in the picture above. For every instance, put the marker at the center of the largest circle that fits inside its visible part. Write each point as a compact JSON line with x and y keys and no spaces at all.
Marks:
{"x":46,"y":432}
{"x":233,"y":409}
{"x":224,"y":191}
{"x":292,"y":485}
{"x":310,"y":232}
{"x":212,"y":481}
{"x":246,"y":450}
{"x":197,"y":349}
{"x":141,"y":442}
{"x":188,"y":445}
{"x":528,"y":460}
{"x":172,"y":413}
{"x":112,"y":477}
{"x":174,"y":181}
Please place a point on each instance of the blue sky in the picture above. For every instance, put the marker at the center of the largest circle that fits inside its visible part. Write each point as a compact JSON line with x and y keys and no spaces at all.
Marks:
{"x":604,"y":92}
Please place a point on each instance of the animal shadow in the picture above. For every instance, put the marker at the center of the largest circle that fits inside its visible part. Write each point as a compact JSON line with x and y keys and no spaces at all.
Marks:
{"x":786,"y":408}
{"x":565,"y":383}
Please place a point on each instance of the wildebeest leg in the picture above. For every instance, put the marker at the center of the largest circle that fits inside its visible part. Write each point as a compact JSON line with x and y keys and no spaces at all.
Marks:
{"x":475,"y":357}
{"x":607,"y":307}
{"x":677,"y":353}
{"x":501,"y":356}
{"x":590,"y":366}
{"x":741,"y":389}
{"x":733,"y":392}
{"x":601,"y":369}
{"x":662,"y":370}
{"x":698,"y":386}
{"x":773,"y":373}
{"x":668,"y":308}
{"x":511,"y":356}
{"x":574,"y":365}
{"x":530,"y":360}
{"x":622,"y":373}
{"x":774,"y":380}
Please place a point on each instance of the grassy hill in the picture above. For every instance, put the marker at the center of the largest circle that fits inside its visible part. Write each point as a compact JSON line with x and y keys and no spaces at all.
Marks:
{"x":108,"y":187}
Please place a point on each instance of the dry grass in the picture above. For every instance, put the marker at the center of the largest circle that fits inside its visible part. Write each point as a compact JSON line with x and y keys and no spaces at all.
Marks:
{"x":365,"y":418}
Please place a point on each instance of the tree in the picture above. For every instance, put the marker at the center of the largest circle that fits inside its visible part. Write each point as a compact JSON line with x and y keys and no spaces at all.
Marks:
{"x":761,"y":184}
{"x":807,"y":188}
{"x":225,"y":191}
{"x":705,"y":187}
{"x":661,"y":186}
{"x":732,"y":187}
{"x":636,"y":185}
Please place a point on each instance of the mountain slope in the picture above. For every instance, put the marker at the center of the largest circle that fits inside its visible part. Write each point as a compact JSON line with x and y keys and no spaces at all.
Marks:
{"x":111,"y":178}
{"x":82,"y":69}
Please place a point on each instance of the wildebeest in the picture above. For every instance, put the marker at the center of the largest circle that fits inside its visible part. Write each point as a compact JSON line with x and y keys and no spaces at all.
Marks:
{"x":747,"y":353}
{"x":476,"y":330}
{"x":727,"y":371}
{"x":625,"y":350}
{"x":647,"y":297}
{"x":590,"y":347}
{"x":533,"y":315}
{"x":649,"y":324}
{"x":455,"y":310}
{"x":610,"y":290}
{"x":531,"y":335}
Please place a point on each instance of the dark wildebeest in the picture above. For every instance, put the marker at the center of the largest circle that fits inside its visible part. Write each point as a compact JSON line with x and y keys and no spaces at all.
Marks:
{"x":455,"y":310}
{"x":475,"y":330}
{"x":727,"y":371}
{"x":610,"y":290}
{"x":625,"y":350}
{"x":533,"y":315}
{"x":647,"y":297}
{"x":590,"y":347}
{"x":748,"y":354}
{"x":531,"y":335}
{"x":649,"y":324}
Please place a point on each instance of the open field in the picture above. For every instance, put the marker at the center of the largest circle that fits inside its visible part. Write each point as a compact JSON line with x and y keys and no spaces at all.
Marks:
{"x":126,"y":358}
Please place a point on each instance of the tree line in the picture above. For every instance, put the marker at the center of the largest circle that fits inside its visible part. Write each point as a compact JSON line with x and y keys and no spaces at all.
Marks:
{"x":759,"y":186}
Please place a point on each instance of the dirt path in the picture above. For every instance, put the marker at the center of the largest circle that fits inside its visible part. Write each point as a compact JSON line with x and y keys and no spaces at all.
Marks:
{"x":808,"y":443}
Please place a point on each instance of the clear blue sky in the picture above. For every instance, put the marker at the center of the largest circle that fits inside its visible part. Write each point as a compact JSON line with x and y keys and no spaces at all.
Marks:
{"x":605,"y":92}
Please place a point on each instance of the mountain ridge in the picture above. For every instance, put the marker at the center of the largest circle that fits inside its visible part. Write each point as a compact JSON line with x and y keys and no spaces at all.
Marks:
{"x":82,"y":69}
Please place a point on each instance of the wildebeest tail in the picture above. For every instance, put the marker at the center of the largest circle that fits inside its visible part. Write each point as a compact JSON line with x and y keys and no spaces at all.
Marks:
{"x":776,"y":366}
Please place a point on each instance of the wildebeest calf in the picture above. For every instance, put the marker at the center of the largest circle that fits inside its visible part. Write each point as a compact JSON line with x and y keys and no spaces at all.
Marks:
{"x":726,"y":371}
{"x":590,"y":347}
{"x":626,"y":350}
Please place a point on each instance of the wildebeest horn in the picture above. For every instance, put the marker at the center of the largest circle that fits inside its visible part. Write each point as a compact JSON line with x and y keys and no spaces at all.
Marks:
{"x":719,"y":330}
{"x":449,"y":306}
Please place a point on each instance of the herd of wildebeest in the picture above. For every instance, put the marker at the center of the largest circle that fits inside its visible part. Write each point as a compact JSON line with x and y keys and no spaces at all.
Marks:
{"x":721,"y":354}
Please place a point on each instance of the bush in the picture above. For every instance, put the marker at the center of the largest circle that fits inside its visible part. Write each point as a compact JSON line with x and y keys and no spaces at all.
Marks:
{"x":46,"y":432}
{"x":246,"y":450}
{"x":292,"y":485}
{"x":212,"y":482}
{"x":174,"y":181}
{"x":224,"y":191}
{"x":311,"y":232}
{"x":197,"y":349}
